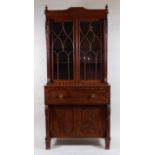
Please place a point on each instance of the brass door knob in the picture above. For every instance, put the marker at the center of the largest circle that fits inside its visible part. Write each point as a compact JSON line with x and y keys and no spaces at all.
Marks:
{"x":61,"y":96}
{"x":93,"y":95}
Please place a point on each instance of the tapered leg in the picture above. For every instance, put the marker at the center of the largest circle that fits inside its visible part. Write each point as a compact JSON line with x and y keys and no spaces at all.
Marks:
{"x":107,"y":138}
{"x":48,"y":143}
{"x":107,"y":143}
{"x":47,"y":138}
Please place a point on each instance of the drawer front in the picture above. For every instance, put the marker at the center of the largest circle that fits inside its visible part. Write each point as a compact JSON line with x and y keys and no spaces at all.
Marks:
{"x":79,"y":96}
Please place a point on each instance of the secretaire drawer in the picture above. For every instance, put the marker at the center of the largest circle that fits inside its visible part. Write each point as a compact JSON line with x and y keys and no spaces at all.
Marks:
{"x":77,"y":96}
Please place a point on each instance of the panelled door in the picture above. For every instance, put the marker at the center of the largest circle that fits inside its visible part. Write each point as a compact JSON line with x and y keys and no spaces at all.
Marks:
{"x":78,"y":121}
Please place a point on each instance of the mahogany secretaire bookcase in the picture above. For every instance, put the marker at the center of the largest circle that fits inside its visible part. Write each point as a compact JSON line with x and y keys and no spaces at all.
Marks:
{"x":77,"y":94}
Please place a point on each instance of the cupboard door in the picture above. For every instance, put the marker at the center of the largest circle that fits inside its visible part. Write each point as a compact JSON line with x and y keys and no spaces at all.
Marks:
{"x":90,"y":50}
{"x":62,"y":121}
{"x":92,"y":121}
{"x":62,"y":50}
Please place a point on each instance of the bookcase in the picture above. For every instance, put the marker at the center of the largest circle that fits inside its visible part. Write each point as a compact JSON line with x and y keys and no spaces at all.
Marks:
{"x":77,"y":94}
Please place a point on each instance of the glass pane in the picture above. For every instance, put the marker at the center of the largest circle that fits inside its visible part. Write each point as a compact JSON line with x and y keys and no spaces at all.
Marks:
{"x":90,"y":50}
{"x":62,"y":47}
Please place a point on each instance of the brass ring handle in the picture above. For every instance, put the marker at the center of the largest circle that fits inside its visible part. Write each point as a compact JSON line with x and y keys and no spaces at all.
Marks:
{"x":61,"y":96}
{"x":93,"y":95}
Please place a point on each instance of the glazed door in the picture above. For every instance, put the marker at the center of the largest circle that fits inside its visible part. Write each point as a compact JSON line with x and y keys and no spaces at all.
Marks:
{"x":62,"y":43}
{"x":90,"y":50}
{"x":64,"y":48}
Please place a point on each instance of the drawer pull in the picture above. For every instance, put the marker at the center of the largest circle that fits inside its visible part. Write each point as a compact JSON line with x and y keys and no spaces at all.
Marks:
{"x":61,"y":96}
{"x":93,"y":95}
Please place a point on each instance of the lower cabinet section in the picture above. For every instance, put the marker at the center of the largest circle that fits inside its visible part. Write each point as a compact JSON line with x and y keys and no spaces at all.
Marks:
{"x":77,"y":121}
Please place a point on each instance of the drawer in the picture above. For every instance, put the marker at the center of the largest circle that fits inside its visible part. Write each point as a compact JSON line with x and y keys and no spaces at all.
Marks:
{"x":77,"y":96}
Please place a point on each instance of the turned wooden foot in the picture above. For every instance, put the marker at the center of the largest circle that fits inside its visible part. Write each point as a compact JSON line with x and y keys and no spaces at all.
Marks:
{"x":48,"y":143}
{"x":107,"y":143}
